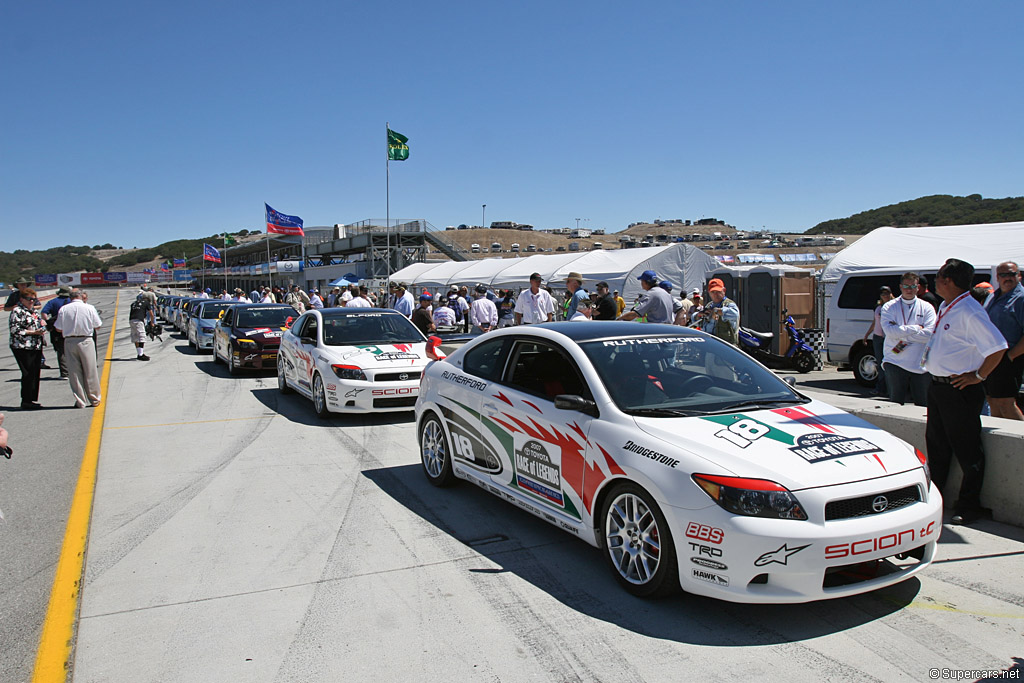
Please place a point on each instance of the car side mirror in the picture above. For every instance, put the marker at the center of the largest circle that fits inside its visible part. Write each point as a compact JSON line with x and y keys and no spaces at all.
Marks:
{"x":576,"y":403}
{"x":790,"y":380}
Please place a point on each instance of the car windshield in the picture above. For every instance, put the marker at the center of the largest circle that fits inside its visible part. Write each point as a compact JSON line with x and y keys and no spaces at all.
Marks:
{"x":669,"y":376}
{"x":266,"y":317}
{"x":213,"y":311}
{"x":369,"y":328}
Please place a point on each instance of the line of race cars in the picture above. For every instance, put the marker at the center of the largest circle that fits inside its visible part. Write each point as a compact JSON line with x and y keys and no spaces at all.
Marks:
{"x":688,"y":463}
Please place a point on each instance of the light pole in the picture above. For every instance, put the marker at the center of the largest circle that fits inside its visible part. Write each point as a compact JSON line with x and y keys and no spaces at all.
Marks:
{"x":578,"y":224}
{"x":483,"y":216}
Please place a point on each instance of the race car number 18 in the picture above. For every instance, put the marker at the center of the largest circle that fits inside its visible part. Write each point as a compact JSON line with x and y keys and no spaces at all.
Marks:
{"x":743,"y":432}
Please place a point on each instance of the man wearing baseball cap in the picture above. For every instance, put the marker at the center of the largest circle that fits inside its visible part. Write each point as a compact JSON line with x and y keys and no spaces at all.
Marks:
{"x":655,"y":303}
{"x":534,"y":305}
{"x":722,"y":315}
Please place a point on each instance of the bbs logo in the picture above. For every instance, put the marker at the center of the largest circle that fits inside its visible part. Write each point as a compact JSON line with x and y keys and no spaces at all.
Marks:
{"x":703,"y":532}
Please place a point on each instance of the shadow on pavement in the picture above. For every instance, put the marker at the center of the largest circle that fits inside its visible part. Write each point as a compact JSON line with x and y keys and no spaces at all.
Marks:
{"x":299,"y":409}
{"x":574,"y":573}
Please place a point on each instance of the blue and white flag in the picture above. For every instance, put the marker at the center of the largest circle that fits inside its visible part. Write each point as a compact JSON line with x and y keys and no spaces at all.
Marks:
{"x":210,"y":254}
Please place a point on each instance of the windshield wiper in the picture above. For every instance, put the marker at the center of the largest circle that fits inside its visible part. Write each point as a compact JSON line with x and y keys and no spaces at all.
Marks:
{"x":763,"y":402}
{"x":665,"y":412}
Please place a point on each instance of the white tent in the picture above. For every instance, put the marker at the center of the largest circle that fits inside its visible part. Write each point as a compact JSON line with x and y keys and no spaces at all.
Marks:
{"x":984,"y":246}
{"x":683,"y":264}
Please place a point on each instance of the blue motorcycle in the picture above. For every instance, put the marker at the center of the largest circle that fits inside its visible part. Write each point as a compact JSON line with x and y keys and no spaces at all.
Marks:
{"x":799,"y":357}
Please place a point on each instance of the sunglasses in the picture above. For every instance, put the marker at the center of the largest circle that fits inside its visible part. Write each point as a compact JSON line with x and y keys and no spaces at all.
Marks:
{"x":1009,"y":273}
{"x":908,"y":286}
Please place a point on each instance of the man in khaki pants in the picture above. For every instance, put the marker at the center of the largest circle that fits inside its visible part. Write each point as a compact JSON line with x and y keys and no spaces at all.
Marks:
{"x":77,"y":320}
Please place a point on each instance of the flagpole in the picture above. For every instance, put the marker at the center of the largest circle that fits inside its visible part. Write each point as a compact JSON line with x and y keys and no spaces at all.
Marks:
{"x":224,"y":262}
{"x":268,"y":261}
{"x":387,"y":219}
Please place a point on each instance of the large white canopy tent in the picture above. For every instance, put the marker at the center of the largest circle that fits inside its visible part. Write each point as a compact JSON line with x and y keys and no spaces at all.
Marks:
{"x":983,"y":245}
{"x":683,"y":264}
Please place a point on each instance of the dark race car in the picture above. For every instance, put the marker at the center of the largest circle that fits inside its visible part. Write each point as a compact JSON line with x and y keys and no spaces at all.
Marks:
{"x":249,"y":335}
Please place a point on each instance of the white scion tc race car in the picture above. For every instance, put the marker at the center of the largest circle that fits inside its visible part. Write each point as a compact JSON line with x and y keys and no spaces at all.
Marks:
{"x":354,"y":360}
{"x":687,"y":462}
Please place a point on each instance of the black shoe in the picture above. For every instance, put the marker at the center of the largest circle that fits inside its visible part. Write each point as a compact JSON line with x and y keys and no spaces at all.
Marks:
{"x":966,"y":517}
{"x":30,"y":406}
{"x":143,"y":357}
{"x":44,"y":366}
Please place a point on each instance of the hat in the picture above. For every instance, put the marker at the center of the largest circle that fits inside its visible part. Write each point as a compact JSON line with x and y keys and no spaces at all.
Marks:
{"x":716,"y":285}
{"x":884,"y":288}
{"x":23,"y":281}
{"x":400,"y":285}
{"x":648,"y":276}
{"x":985,"y":285}
{"x":575,"y":276}
{"x":536,"y":276}
{"x":426,"y":297}
{"x":481,"y":289}
{"x":666,"y":285}
{"x":695,"y":292}
{"x":453,"y":288}
{"x":602,"y":284}
{"x":63,"y":291}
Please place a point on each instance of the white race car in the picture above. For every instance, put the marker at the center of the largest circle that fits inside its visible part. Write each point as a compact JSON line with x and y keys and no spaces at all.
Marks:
{"x":354,"y":360}
{"x":687,"y":462}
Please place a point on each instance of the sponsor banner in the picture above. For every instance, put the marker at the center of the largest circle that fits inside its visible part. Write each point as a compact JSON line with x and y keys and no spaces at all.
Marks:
{"x":46,"y":279}
{"x":816,"y":447}
{"x":115,"y":277}
{"x":182,"y":275}
{"x":137,"y":278}
{"x":160,"y":277}
{"x":69,"y":279}
{"x":286,"y":267}
{"x":92,"y":278}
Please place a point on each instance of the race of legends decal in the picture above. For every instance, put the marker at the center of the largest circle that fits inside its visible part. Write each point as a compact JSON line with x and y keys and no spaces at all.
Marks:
{"x":538,"y":469}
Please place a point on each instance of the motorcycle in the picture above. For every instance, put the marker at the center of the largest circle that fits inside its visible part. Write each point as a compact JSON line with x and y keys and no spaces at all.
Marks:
{"x":799,"y":357}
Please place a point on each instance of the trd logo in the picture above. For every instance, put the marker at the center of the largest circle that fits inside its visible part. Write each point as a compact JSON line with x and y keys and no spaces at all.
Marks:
{"x":871,"y":545}
{"x":395,"y":392}
{"x":462,"y":446}
{"x":705,"y":550}
{"x":702,"y":532}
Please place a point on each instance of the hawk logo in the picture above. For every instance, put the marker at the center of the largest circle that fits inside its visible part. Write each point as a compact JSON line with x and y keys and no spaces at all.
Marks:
{"x":780,"y":556}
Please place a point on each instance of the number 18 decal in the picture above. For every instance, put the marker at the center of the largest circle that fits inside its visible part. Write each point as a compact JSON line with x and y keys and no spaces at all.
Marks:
{"x":743,"y":432}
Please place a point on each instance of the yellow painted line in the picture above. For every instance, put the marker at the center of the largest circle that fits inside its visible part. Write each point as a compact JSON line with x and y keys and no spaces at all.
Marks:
{"x":53,"y":657}
{"x":196,"y":422}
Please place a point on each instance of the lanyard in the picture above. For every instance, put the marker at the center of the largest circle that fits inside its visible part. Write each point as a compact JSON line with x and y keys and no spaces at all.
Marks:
{"x":903,"y":309}
{"x":947,"y":309}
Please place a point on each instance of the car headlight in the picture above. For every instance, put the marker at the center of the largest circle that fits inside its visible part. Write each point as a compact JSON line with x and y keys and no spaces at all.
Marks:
{"x":751,"y":497}
{"x":247,"y":344}
{"x":924,"y":463}
{"x":348,"y":372}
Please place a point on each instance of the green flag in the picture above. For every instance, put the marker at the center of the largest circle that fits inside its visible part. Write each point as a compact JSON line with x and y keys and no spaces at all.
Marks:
{"x":397,"y":149}
{"x":228,"y":239}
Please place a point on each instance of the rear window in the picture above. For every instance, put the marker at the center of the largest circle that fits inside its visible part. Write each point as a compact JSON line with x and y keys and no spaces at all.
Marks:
{"x":266,"y":317}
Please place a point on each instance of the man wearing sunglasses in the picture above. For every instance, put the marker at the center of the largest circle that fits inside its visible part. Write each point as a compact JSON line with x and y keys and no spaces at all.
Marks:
{"x":1006,"y":311}
{"x":908,"y":323}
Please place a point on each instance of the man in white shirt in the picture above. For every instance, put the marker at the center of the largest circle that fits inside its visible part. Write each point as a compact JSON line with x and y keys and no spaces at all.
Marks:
{"x":483,"y":314}
{"x":908,"y":323}
{"x":534,"y":305}
{"x":964,"y":349}
{"x":360,"y":301}
{"x":314,"y":299}
{"x":584,"y":312}
{"x":76,"y":320}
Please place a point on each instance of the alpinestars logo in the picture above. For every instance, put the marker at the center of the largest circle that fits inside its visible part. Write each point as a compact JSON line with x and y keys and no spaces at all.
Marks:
{"x":780,"y":556}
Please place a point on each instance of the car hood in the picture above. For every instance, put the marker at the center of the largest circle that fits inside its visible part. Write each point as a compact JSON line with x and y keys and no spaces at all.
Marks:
{"x":801,"y":446}
{"x":378,"y":356}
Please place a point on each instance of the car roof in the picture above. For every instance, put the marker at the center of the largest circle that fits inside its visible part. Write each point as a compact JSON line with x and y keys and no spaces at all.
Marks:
{"x":341,"y":312}
{"x":605,"y":329}
{"x":245,"y":307}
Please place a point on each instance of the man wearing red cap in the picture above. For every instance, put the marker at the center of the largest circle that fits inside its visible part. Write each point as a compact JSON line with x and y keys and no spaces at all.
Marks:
{"x":721,"y":315}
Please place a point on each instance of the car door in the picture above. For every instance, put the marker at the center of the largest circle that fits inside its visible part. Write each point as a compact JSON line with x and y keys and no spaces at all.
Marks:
{"x":222,"y":334}
{"x":546,"y":448}
{"x":304,"y":344}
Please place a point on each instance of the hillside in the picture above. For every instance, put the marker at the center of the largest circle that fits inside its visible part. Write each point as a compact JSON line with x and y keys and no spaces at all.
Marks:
{"x":939,"y":209}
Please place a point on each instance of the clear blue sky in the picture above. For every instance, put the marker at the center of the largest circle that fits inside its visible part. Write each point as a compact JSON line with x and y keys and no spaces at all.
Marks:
{"x":138,"y":122}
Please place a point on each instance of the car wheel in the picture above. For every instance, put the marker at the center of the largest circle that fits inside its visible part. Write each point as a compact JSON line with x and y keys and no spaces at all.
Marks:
{"x":216,"y":358}
{"x":638,"y":544}
{"x":435,"y":453}
{"x":319,"y":399}
{"x":230,"y":362}
{"x":282,"y":381}
{"x":804,"y":361}
{"x":865,"y":368}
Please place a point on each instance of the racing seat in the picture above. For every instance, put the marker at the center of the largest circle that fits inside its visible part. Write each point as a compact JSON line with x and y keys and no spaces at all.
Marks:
{"x":632,"y":384}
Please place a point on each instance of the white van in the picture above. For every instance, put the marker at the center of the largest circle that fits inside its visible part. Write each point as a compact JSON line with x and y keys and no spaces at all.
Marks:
{"x":475,"y":248}
{"x":515,"y":246}
{"x":850,"y":311}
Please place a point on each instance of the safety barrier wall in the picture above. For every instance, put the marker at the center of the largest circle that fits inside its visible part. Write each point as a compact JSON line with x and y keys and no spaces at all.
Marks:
{"x":1003,"y":441}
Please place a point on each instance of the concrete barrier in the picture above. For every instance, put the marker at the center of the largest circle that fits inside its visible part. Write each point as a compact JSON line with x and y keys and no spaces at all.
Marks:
{"x":1003,"y":441}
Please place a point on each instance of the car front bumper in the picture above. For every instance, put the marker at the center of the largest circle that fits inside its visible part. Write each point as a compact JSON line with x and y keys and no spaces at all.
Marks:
{"x":352,"y":396}
{"x":759,"y":560}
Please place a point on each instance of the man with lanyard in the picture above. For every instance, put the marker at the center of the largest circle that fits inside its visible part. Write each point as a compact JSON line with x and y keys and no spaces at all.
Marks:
{"x":49,"y":314}
{"x":908,"y":323}
{"x":655,"y":303}
{"x":1006,"y":311}
{"x":534,"y":305}
{"x":964,"y":350}
{"x":606,"y":308}
{"x":721,"y":315}
{"x":574,"y":283}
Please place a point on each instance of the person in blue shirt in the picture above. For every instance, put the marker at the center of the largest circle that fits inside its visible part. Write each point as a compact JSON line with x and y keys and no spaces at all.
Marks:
{"x":49,"y":313}
{"x":1006,"y":311}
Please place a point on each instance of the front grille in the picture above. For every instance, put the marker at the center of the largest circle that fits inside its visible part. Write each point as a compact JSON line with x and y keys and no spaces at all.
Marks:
{"x":863,"y":506}
{"x":396,"y":376}
{"x":403,"y":402}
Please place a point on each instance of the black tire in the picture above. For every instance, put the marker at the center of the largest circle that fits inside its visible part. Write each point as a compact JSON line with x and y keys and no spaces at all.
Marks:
{"x":216,"y":358}
{"x":865,"y":368}
{"x":320,"y":398}
{"x":282,"y":382}
{"x":803,"y":361}
{"x":435,"y":452}
{"x":230,"y":362}
{"x":634,"y":533}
